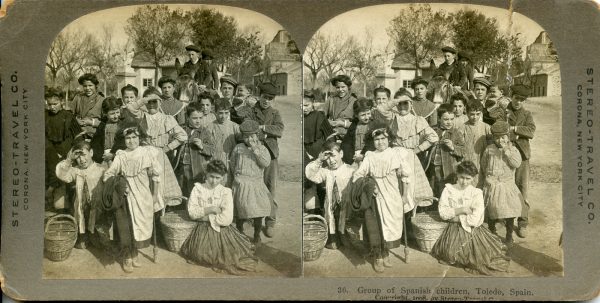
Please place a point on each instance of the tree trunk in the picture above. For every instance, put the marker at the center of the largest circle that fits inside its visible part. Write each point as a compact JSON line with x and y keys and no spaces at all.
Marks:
{"x":417,"y":67}
{"x":365,"y":89}
{"x":314,"y":79}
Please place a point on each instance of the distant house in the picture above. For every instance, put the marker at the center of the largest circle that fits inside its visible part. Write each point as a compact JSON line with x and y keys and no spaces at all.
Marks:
{"x":399,"y":71}
{"x":543,"y":70}
{"x":283,"y":65}
{"x":139,"y":71}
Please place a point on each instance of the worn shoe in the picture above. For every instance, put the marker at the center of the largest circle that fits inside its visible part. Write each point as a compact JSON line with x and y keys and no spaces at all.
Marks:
{"x":269,"y":231}
{"x":331,"y":245}
{"x":128,"y":265}
{"x":378,"y":265}
{"x":387,"y":262}
{"x":80,"y":244}
{"x":135,"y":260}
{"x":521,"y":231}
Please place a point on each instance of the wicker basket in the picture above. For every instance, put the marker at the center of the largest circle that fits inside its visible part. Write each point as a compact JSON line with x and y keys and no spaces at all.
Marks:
{"x":176,"y":227}
{"x":315,"y":237}
{"x":427,"y":228}
{"x":59,"y":237}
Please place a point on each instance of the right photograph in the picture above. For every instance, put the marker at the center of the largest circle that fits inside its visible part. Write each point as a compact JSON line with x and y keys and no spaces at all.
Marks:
{"x":432,"y":145}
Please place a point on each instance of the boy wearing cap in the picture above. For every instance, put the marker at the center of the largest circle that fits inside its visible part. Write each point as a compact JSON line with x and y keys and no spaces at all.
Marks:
{"x":208,"y":75}
{"x":272,"y":127}
{"x":421,"y":105}
{"x":449,"y":69}
{"x":522,"y":129}
{"x":194,"y":64}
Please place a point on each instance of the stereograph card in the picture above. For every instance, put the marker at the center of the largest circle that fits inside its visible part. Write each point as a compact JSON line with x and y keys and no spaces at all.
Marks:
{"x":300,"y":150}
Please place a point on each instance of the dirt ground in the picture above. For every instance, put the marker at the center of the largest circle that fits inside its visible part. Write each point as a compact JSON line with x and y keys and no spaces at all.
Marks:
{"x":536,"y":255}
{"x":279,"y":256}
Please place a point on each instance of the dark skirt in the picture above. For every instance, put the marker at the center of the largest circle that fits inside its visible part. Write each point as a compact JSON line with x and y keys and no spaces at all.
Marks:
{"x":478,"y":252}
{"x":227,"y":250}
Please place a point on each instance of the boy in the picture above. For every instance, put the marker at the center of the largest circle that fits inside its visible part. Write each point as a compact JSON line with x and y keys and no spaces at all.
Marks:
{"x":522,"y":128}
{"x":61,"y":129}
{"x":190,"y":162}
{"x":223,"y":136}
{"x":421,"y":105}
{"x":446,"y":153}
{"x":271,"y":126}
{"x":169,"y":105}
{"x":205,"y":102}
{"x":496,"y":105}
{"x":87,"y":107}
{"x":87,"y":176}
{"x":337,"y":176}
{"x":476,"y":136}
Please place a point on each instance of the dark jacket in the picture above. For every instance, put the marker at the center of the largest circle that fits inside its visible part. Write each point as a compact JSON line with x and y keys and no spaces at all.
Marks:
{"x":450,"y":158}
{"x":523,"y":120}
{"x":273,"y":123}
{"x":208,"y":75}
{"x":348,"y":143}
{"x":198,"y":161}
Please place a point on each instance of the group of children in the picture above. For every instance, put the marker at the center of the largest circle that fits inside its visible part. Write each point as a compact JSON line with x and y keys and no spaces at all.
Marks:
{"x":377,"y":159}
{"x":119,"y":162}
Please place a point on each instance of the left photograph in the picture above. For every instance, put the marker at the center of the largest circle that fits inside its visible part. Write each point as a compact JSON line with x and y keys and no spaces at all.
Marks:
{"x":173,"y":145}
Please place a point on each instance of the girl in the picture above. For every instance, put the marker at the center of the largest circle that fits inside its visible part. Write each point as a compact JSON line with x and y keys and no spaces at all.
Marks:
{"x":213,"y":241}
{"x":411,"y":132}
{"x":465,"y":242}
{"x":104,"y":139}
{"x":386,"y":165}
{"x":354,"y":140}
{"x":459,"y":103}
{"x":498,"y":164}
{"x":137,"y":165}
{"x":339,"y":107}
{"x":476,"y":135}
{"x":247,"y":163}
{"x":87,"y":107}
{"x":164,"y":133}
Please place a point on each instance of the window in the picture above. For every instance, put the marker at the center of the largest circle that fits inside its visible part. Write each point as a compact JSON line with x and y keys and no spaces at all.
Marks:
{"x":147,"y":82}
{"x":406,"y":83}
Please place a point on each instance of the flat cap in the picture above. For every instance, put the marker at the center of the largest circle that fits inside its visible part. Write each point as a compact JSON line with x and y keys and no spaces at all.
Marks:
{"x":227,"y":79}
{"x":194,"y":48}
{"x":448,"y":49}
{"x":500,"y":128}
{"x":268,"y":88}
{"x":520,"y":90}
{"x":483,"y":81}
{"x":249,"y":127}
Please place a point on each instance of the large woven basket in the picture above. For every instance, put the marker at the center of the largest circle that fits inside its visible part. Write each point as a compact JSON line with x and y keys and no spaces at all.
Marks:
{"x":315,"y":237}
{"x":59,"y":237}
{"x":427,"y":228}
{"x":176,"y":227}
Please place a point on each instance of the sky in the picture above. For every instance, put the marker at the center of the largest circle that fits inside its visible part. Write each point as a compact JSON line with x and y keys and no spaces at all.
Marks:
{"x":377,"y":18}
{"x":118,"y":16}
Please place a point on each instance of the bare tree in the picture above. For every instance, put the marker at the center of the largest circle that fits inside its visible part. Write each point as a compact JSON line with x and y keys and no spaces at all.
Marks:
{"x":158,"y":31}
{"x":418,"y":33}
{"x":104,"y":57}
{"x":326,"y":54}
{"x":364,"y":61}
{"x":314,"y":59}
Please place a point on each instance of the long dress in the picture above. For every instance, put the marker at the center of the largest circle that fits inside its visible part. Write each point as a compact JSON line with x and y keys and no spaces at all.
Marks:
{"x":214,"y":241}
{"x":251,"y":196}
{"x":500,"y":191}
{"x":383,"y":167}
{"x":223,"y":138}
{"x":465,"y":242}
{"x":411,"y":132}
{"x":139,"y":168}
